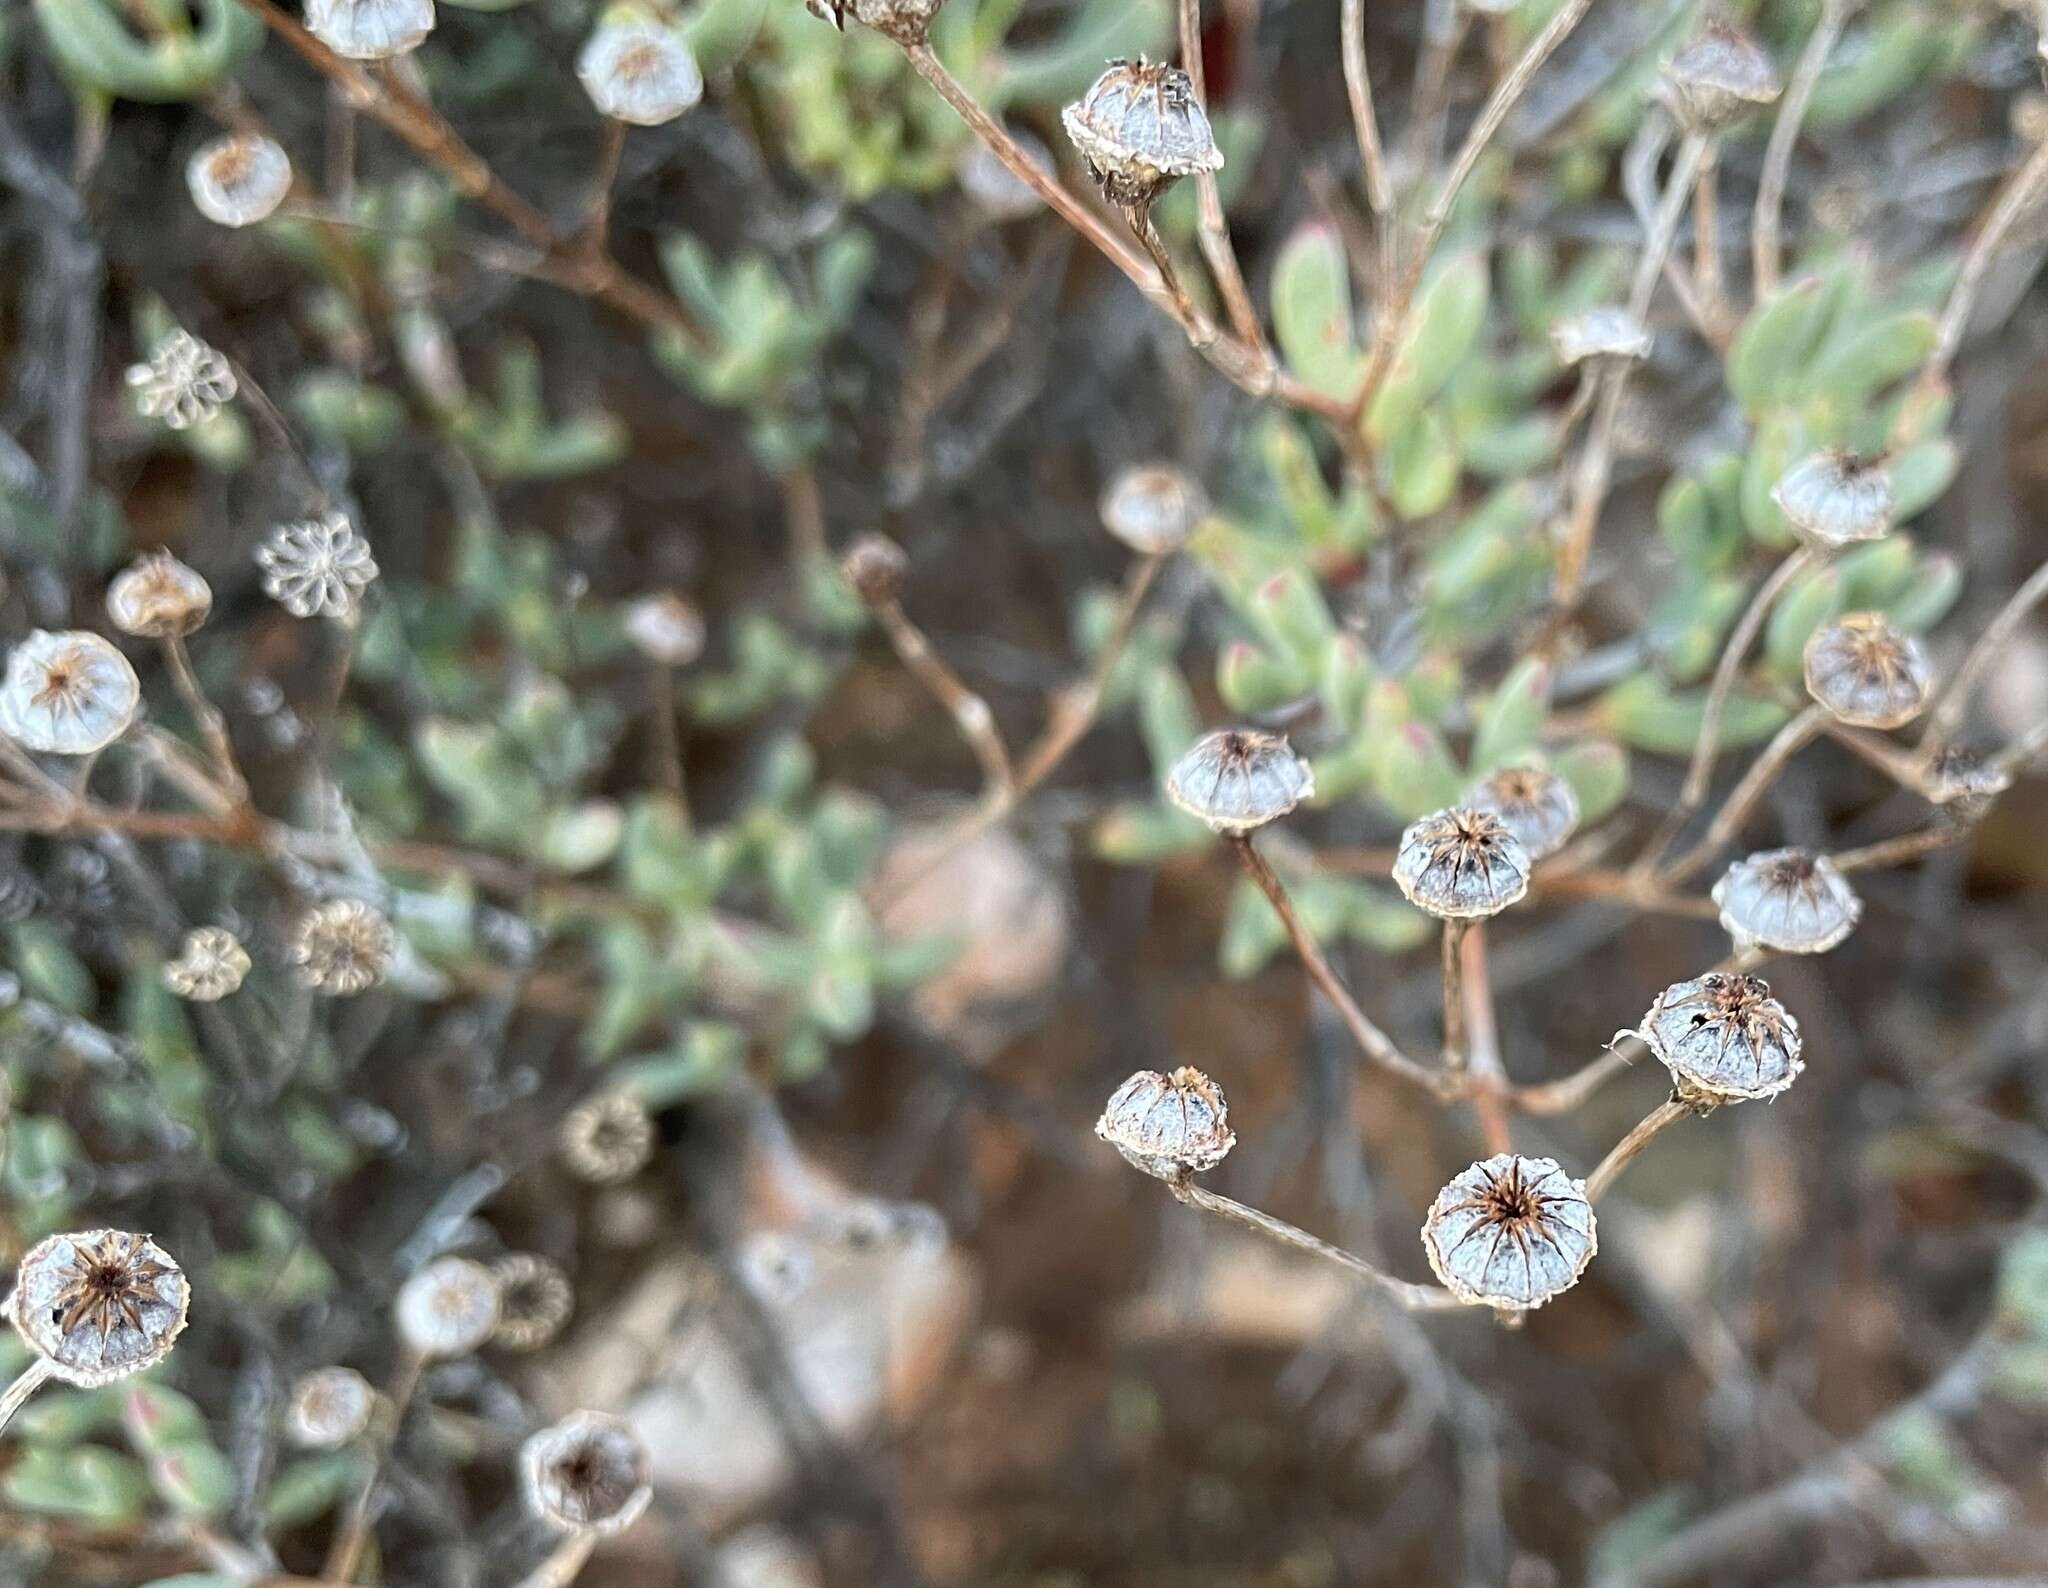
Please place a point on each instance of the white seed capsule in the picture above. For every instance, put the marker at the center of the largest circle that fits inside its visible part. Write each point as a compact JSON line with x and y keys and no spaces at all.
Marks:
{"x":211,"y":964}
{"x":1836,"y":498}
{"x":184,"y":382}
{"x":1720,"y":77}
{"x":1168,"y":1125}
{"x":640,"y":72}
{"x":342,"y":947}
{"x":1724,"y":1038}
{"x":99,"y":1305}
{"x":1604,"y":331}
{"x":666,"y":629}
{"x":330,"y":1406}
{"x":448,"y":1308}
{"x":318,"y":567}
{"x":157,"y":597}
{"x":607,"y":1138}
{"x":1510,"y":1233}
{"x":1788,"y":900}
{"x":240,"y":179}
{"x":586,"y":1474}
{"x":1461,"y":864}
{"x":1154,"y":508}
{"x":1864,"y":672}
{"x":68,"y":693}
{"x":1239,"y":780}
{"x":535,"y":1300}
{"x":370,"y":30}
{"x":1141,"y":129}
{"x":1537,"y":807}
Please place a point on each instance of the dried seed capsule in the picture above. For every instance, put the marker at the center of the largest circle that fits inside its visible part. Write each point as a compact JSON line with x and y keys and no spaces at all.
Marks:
{"x":319,"y":567}
{"x":1835,"y":498}
{"x":342,"y":947}
{"x":1719,"y":78}
{"x":99,"y":1305}
{"x":587,"y":1474}
{"x":875,"y":565}
{"x":1510,"y":1233}
{"x":184,"y":382}
{"x":905,"y":21}
{"x":1168,"y":1125}
{"x":67,"y":694}
{"x":775,"y":1266}
{"x":370,"y":30}
{"x":1238,"y":780}
{"x":448,"y":1308}
{"x":535,"y":1300}
{"x":1605,"y":331}
{"x":1723,"y":1038}
{"x":211,"y":964}
{"x":1537,"y":807}
{"x":240,"y":179}
{"x":1964,"y":784}
{"x":638,"y":71}
{"x":666,"y":629}
{"x":1866,"y":673}
{"x":1141,"y":129}
{"x":1462,"y":864}
{"x":607,"y":1138}
{"x":997,"y":190}
{"x":330,"y":1407}
{"x":1153,"y":508}
{"x":1788,"y":900}
{"x":157,"y":597}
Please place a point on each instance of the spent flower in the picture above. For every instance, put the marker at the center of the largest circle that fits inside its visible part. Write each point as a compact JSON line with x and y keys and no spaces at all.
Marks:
{"x":342,"y":947}
{"x":666,"y":629}
{"x":1510,"y":1233}
{"x":1168,"y":1125}
{"x":1604,"y":331}
{"x":1788,"y":900}
{"x":68,"y":693}
{"x":638,"y":71}
{"x":905,"y":21}
{"x":1238,"y":780}
{"x":449,"y":1308}
{"x":586,"y":1474}
{"x":1866,"y":673}
{"x":1461,"y":864}
{"x":370,"y":30}
{"x":183,"y":382}
{"x":535,"y":1300}
{"x":1719,"y":77}
{"x":1153,"y":508}
{"x":1835,"y":498}
{"x":318,"y":567}
{"x":99,"y":1305}
{"x":211,"y":964}
{"x":607,"y":1138}
{"x":157,"y":597}
{"x":1141,"y":129}
{"x":239,"y":179}
{"x":330,"y":1407}
{"x":1724,"y":1038}
{"x":1537,"y":806}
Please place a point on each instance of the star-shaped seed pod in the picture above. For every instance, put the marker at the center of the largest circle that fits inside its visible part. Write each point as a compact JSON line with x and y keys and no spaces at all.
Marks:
{"x":905,"y":21}
{"x":639,"y":72}
{"x":1153,"y":508}
{"x":318,"y":567}
{"x":342,"y":947}
{"x":1141,"y":129}
{"x":1788,"y":900}
{"x":607,"y":1138}
{"x":156,"y":597}
{"x":1724,"y":1039}
{"x":1461,"y":864}
{"x":184,"y":382}
{"x":1604,"y":331}
{"x":1836,"y":498}
{"x":586,"y":1474}
{"x":210,"y":965}
{"x":69,"y":693}
{"x":240,"y":179}
{"x":1168,"y":1125}
{"x":370,"y":30}
{"x":99,"y":1305}
{"x":1965,"y":784}
{"x":535,"y":1300}
{"x":1238,"y":780}
{"x":1720,"y":77}
{"x":330,"y":1407}
{"x":1535,"y":805}
{"x":449,"y":1308}
{"x":1510,"y":1233}
{"x":1864,"y":672}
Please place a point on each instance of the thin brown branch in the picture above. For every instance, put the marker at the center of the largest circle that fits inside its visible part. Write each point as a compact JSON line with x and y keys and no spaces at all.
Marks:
{"x":1214,"y":230}
{"x":1658,"y":1120}
{"x":968,"y":710}
{"x":1765,"y":250}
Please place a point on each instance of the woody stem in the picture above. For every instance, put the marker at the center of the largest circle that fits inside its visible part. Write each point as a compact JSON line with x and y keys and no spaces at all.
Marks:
{"x":26,"y":1383}
{"x":1654,"y":1123}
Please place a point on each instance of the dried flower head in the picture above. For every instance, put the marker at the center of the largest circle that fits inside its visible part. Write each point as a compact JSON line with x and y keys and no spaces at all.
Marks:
{"x":1719,"y":78}
{"x":587,"y":1474}
{"x":906,"y":21}
{"x":67,"y":693}
{"x":635,"y":70}
{"x":318,"y":567}
{"x":1964,"y":784}
{"x":211,"y":964}
{"x":868,"y":1224}
{"x":99,"y":1305}
{"x":342,"y":947}
{"x":776,"y":1266}
{"x":535,"y":1300}
{"x":1606,"y":330}
{"x":1168,"y":1125}
{"x":1723,"y":1038}
{"x":370,"y":30}
{"x":1789,"y":900}
{"x":1510,"y":1233}
{"x":875,"y":565}
{"x":157,"y":597}
{"x":240,"y":179}
{"x":448,"y":1308}
{"x":1141,"y":129}
{"x":666,"y":629}
{"x":997,"y":190}
{"x":1866,"y":673}
{"x":1536,"y":806}
{"x":330,"y":1407}
{"x":607,"y":1138}
{"x":1835,"y":498}
{"x":1238,"y":780}
{"x":1153,"y":508}
{"x":184,"y":382}
{"x":1461,"y":863}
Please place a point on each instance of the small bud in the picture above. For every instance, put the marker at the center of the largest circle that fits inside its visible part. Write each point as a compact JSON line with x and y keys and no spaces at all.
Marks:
{"x":342,"y":947}
{"x":99,"y":1305}
{"x":157,"y":597}
{"x":905,"y":21}
{"x":68,"y":693}
{"x":1604,"y":331}
{"x":330,"y":1407}
{"x":1866,"y":673}
{"x":448,"y":1308}
{"x":666,"y":628}
{"x":1723,"y":1038}
{"x":1168,"y":1125}
{"x":1239,"y":780}
{"x":240,"y":179}
{"x":211,"y":964}
{"x":1141,"y":129}
{"x":370,"y":30}
{"x":1461,"y":864}
{"x":1510,"y":1233}
{"x":184,"y":382}
{"x":1719,"y":78}
{"x":995,"y":189}
{"x":587,"y":1474}
{"x":1153,"y":508}
{"x":607,"y":1138}
{"x":637,"y":71}
{"x":875,"y":565}
{"x":319,"y":567}
{"x":535,"y":1300}
{"x":1537,"y":807}
{"x":1788,"y":900}
{"x":1834,"y":498}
